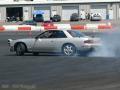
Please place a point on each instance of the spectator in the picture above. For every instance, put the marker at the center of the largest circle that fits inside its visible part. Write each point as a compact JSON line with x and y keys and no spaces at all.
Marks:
{"x":88,"y":16}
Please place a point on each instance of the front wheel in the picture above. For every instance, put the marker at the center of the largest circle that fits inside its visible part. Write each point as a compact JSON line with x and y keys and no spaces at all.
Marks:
{"x":20,"y":49}
{"x":69,"y":50}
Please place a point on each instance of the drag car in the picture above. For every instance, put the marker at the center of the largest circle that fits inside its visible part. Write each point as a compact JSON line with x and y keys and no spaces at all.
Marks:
{"x":67,"y":42}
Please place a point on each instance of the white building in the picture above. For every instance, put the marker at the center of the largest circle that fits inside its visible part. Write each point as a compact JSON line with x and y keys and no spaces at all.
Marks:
{"x":109,"y":9}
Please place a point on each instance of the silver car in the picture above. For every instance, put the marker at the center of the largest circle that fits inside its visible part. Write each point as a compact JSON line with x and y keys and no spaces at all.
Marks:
{"x":96,"y":17}
{"x":68,"y":42}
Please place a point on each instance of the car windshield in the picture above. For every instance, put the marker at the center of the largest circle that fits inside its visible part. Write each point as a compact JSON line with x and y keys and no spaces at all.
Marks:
{"x":75,"y":33}
{"x":56,"y":15}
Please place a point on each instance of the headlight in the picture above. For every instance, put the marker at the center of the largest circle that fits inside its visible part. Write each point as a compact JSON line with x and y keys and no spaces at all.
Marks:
{"x":9,"y":41}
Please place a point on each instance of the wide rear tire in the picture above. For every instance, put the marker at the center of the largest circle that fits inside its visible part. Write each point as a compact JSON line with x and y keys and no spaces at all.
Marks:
{"x":69,"y":50}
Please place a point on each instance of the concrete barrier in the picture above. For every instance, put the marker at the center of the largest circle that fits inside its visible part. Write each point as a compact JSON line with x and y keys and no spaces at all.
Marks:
{"x":50,"y":27}
{"x":10,"y":27}
{"x":63,"y":26}
{"x":24,"y":28}
{"x":36,"y":28}
{"x":99,"y":26}
{"x":81,"y":27}
{"x":104,"y":27}
{"x":56,"y":26}
{"x":2,"y":28}
{"x":91,"y":26}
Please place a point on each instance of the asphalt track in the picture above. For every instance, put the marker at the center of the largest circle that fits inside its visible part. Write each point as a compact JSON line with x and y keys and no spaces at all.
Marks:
{"x":52,"y":72}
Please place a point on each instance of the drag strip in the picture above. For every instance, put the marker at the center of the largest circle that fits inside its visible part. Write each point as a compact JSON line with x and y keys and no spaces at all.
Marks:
{"x":53,"y":72}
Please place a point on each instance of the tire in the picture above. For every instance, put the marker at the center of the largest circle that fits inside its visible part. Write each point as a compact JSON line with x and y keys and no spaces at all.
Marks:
{"x":35,"y":53}
{"x":20,"y":49}
{"x":87,"y":52}
{"x":69,"y":50}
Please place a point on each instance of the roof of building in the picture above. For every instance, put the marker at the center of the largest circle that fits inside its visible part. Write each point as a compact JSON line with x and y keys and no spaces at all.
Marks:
{"x":10,"y":2}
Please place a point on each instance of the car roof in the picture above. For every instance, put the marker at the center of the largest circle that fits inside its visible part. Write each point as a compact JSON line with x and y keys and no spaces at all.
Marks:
{"x":54,"y":30}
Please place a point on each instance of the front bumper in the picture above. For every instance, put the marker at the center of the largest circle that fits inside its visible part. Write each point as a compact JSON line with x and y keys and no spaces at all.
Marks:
{"x":11,"y":49}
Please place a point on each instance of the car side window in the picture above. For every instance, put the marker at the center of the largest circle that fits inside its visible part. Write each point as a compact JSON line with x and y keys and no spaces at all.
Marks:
{"x":46,"y":34}
{"x":52,"y":34}
{"x":58,"y":34}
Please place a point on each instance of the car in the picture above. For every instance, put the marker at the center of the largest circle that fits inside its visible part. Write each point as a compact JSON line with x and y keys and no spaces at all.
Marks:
{"x":38,"y":18}
{"x":74,"y":17}
{"x":10,"y":19}
{"x":28,"y":22}
{"x":47,"y":23}
{"x":95,"y":17}
{"x":67,"y":42}
{"x":56,"y":18}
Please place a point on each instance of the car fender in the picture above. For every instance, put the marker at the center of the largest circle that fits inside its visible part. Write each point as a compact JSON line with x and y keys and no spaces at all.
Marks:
{"x":28,"y":42}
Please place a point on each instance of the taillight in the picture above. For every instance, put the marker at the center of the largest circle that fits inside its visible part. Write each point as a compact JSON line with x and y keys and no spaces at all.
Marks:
{"x":88,"y":41}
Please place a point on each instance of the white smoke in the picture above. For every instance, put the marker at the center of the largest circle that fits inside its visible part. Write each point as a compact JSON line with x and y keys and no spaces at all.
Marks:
{"x":110,"y":45}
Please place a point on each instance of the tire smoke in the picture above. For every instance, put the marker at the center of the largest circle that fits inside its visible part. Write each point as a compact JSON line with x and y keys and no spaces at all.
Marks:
{"x":110,"y":45}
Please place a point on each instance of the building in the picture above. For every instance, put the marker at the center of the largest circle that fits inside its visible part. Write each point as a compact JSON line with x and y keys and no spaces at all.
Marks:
{"x":109,"y":9}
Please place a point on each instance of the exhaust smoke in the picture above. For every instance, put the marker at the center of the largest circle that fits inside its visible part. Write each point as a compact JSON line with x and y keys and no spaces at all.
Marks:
{"x":110,"y":45}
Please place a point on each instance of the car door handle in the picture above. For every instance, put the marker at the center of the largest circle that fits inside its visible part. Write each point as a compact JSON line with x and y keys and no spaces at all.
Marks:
{"x":51,"y":41}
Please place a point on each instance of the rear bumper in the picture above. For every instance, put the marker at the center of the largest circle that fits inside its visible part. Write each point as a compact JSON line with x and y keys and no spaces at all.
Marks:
{"x":87,"y":47}
{"x":85,"y":52}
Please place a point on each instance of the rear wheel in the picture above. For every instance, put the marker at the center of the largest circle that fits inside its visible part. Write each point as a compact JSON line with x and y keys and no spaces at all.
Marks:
{"x":20,"y":49}
{"x":69,"y":50}
{"x":87,"y":52}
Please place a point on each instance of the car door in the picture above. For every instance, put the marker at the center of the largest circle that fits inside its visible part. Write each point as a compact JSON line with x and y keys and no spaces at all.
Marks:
{"x":43,"y":42}
{"x":58,"y":38}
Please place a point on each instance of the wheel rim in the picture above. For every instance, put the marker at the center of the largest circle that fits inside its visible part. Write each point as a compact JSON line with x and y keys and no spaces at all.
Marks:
{"x":68,"y":50}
